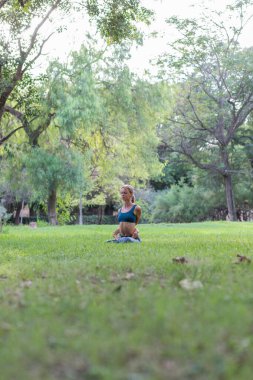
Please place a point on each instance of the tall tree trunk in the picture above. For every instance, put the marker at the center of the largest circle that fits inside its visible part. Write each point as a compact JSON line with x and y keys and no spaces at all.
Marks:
{"x":17,"y":214}
{"x":228,"y":185}
{"x":51,"y":207}
{"x":21,"y":211}
{"x":80,"y":210}
{"x":101,"y":210}
{"x":34,"y":213}
{"x":230,"y":198}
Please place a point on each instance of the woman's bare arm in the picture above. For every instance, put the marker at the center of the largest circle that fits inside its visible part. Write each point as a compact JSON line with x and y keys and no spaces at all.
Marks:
{"x":137,"y":213}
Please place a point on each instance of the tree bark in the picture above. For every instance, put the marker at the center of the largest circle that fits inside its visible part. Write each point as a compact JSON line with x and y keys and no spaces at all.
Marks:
{"x":24,"y":54}
{"x":51,"y":207}
{"x":230,"y":198}
{"x":17,"y":214}
{"x":80,"y":210}
{"x":228,"y":185}
{"x":22,"y":207}
{"x":101,"y":210}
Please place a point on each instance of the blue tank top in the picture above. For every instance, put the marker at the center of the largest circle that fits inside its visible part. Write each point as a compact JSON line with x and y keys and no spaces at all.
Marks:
{"x":127,"y":216}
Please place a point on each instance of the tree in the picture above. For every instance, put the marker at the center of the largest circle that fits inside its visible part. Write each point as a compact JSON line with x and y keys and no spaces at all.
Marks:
{"x":17,"y":52}
{"x":116,"y":20}
{"x":96,"y":106}
{"x":14,"y":188}
{"x":33,"y":107}
{"x":23,"y":44}
{"x":102,"y":106}
{"x":54,"y":170}
{"x":214,"y":93}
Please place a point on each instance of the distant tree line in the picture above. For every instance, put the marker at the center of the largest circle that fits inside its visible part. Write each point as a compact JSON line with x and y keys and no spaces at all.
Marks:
{"x":71,"y":137}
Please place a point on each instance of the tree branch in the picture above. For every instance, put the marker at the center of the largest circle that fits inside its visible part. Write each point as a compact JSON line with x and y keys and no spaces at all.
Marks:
{"x":14,"y":112}
{"x":211,"y":167}
{"x":36,"y":30}
{"x":23,"y":2}
{"x":3,"y":139}
{"x":2,"y":3}
{"x":37,"y":55}
{"x":23,"y":57}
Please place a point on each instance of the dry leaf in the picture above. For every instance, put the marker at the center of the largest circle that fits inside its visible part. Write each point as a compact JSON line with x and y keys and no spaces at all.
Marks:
{"x":190,"y":285}
{"x":180,"y":260}
{"x":118,"y":288}
{"x":242,"y":259}
{"x":70,"y":368}
{"x":26,"y":284}
{"x":4,"y":326}
{"x":114,"y":277}
{"x":94,"y":280}
{"x":129,"y":276}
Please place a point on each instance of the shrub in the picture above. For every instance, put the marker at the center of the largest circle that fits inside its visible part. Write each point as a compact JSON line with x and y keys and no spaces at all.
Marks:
{"x":183,"y":203}
{"x":145,"y":199}
{"x":4,"y":216}
{"x":93,"y":219}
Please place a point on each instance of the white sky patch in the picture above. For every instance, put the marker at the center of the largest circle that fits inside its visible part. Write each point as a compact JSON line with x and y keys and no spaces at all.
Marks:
{"x":60,"y":45}
{"x":165,"y":9}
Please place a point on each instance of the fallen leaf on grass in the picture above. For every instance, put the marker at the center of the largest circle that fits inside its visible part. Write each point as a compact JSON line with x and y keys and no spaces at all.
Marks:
{"x":180,"y":260}
{"x":115,"y":277}
{"x":129,"y":276}
{"x":172,"y":369}
{"x":117,"y":289}
{"x":242,"y":259}
{"x":16,"y":298}
{"x":190,"y":285}
{"x":71,"y":368}
{"x":95,"y":280}
{"x":26,"y":284}
{"x":4,"y":327}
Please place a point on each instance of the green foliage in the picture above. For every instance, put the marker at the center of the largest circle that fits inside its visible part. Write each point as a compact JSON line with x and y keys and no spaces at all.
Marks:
{"x":42,"y":223}
{"x":145,"y":199}
{"x":23,"y":44}
{"x":174,"y":170}
{"x":58,"y":169}
{"x":91,"y":115}
{"x":117,"y":20}
{"x":183,"y":203}
{"x":103,"y":107}
{"x":213,"y":96}
{"x":93,"y":219}
{"x":146,"y":215}
{"x":4,"y":215}
{"x":64,"y":209}
{"x":14,"y":186}
{"x":73,"y":92}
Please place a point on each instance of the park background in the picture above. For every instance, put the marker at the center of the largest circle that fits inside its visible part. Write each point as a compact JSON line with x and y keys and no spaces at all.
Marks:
{"x":94,"y":96}
{"x":82,"y":111}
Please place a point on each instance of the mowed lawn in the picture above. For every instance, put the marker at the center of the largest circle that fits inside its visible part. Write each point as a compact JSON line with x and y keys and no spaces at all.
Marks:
{"x":75,"y":307}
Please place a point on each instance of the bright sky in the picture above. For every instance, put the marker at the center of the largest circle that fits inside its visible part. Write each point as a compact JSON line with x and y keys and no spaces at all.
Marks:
{"x":60,"y":45}
{"x":182,"y":8}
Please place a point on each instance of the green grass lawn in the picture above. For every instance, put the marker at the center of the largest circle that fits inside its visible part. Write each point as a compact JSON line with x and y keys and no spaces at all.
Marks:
{"x":75,"y":307}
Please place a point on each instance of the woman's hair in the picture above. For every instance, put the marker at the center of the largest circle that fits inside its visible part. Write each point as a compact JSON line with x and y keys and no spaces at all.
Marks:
{"x":131,"y":190}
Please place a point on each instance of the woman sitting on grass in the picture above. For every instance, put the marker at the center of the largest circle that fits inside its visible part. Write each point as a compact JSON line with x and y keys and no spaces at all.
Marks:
{"x":128,"y":215}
